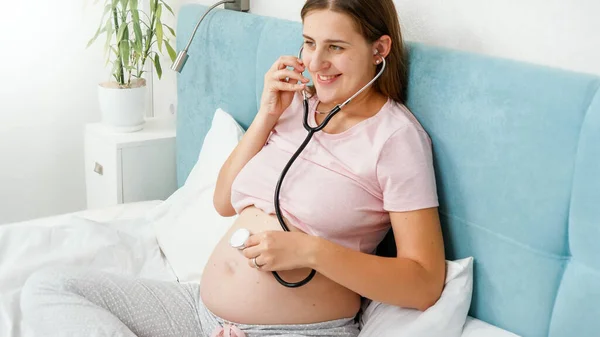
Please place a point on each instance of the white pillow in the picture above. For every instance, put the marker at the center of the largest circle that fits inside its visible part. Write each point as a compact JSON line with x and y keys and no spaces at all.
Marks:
{"x":445,"y":318}
{"x":187,"y":225}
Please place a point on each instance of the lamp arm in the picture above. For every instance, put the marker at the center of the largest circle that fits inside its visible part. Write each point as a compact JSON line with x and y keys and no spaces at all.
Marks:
{"x":182,"y":56}
{"x":202,"y":18}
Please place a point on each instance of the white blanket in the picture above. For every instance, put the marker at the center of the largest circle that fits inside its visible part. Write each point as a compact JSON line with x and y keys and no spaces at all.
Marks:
{"x":118,"y":239}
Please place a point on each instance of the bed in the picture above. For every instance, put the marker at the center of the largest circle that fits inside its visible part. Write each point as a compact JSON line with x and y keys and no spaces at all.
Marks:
{"x":123,"y":238}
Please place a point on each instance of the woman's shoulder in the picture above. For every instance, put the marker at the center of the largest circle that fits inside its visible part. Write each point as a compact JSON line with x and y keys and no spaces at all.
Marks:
{"x":398,"y":124}
{"x":396,"y":116}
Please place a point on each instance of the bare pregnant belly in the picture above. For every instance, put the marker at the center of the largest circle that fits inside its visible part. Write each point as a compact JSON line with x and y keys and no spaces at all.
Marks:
{"x":236,"y":292}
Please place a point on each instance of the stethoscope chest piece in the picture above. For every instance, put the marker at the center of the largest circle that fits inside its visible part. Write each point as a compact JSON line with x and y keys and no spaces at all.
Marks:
{"x":238,"y":238}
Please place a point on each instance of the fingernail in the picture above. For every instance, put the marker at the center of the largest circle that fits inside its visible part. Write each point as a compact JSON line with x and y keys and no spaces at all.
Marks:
{"x":300,"y":60}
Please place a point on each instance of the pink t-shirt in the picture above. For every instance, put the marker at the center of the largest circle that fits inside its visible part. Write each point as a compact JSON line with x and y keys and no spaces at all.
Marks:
{"x":342,"y":186}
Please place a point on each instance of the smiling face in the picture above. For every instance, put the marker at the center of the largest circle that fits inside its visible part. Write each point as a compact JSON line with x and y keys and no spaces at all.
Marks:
{"x":339,"y":59}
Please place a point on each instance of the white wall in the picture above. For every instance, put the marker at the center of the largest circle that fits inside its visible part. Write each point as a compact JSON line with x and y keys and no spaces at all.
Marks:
{"x":558,"y":33}
{"x":48,"y":87}
{"x":47,"y":93}
{"x":47,"y":84}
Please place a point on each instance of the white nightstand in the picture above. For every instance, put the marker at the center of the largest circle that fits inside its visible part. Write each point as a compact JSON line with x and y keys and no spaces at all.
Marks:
{"x":129,"y":167}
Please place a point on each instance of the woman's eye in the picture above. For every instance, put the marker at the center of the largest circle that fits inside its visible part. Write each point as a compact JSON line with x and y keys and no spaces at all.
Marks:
{"x":336,"y":48}
{"x":309,"y":43}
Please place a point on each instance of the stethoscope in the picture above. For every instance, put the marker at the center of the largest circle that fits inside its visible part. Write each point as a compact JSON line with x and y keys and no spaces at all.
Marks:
{"x":240,"y":236}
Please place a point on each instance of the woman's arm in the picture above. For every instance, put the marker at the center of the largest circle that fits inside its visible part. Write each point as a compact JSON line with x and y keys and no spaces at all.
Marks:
{"x":415,"y":278}
{"x":277,"y":96}
{"x":252,"y":141}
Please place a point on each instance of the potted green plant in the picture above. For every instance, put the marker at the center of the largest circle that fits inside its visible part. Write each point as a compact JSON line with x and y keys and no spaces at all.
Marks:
{"x":134,"y":38}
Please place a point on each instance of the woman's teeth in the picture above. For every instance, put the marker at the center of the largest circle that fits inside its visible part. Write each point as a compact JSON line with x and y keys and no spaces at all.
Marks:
{"x":327,"y":78}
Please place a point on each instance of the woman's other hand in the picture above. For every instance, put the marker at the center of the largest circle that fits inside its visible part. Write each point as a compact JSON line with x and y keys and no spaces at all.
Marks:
{"x":281,"y":83}
{"x":279,"y":250}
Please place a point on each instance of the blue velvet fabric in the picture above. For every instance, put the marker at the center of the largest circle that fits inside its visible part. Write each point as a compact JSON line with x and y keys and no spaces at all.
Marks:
{"x":517,"y":156}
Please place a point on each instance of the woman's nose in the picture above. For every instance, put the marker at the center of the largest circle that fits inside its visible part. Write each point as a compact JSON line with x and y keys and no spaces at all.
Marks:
{"x":317,"y":61}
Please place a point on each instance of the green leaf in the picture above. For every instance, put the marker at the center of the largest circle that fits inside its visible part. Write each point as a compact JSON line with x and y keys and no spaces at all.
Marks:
{"x":91,"y":40}
{"x":159,"y":35}
{"x":171,"y":51}
{"x":125,"y":36}
{"x":135,"y":59}
{"x":168,"y":7}
{"x":124,"y":48}
{"x":107,"y":9}
{"x":147,"y":41}
{"x":98,"y":32}
{"x":120,"y":33}
{"x":137,"y":31}
{"x":114,"y":51}
{"x":158,"y":12}
{"x":124,"y":4}
{"x":116,"y":54}
{"x":115,"y":70}
{"x":109,"y":31}
{"x":133,"y":4}
{"x":170,"y":29}
{"x":157,"y":66}
{"x":152,"y":5}
{"x":147,"y":18}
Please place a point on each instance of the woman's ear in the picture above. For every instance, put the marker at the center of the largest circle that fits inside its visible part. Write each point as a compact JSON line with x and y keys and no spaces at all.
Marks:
{"x":382,"y":46}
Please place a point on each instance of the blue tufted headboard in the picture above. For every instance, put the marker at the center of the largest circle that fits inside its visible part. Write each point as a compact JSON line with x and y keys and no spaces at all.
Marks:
{"x":517,"y":156}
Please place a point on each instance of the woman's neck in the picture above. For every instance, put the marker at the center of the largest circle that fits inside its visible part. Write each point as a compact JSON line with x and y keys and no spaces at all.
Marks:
{"x":366,"y":104}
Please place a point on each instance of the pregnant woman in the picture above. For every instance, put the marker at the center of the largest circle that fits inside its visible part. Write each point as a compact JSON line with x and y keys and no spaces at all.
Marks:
{"x":368,"y":171}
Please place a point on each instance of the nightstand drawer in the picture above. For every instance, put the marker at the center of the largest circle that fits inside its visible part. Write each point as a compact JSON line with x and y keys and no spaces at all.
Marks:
{"x":101,"y":164}
{"x":130,"y":167}
{"x":149,"y":171}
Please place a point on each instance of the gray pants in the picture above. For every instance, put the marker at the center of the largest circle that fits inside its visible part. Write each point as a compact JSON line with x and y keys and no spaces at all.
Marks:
{"x":83,"y":302}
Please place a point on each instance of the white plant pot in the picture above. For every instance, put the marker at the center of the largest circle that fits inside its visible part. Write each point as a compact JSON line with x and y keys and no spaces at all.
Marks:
{"x":123,"y":109}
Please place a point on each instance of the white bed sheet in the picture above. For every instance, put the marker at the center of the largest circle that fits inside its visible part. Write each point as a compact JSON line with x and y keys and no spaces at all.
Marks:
{"x":118,"y":239}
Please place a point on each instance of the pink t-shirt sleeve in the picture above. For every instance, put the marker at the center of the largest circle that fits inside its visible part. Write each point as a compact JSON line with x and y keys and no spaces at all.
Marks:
{"x":405,"y":171}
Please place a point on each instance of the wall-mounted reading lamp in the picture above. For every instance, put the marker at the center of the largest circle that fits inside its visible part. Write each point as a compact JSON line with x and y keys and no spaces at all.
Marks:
{"x":236,"y":5}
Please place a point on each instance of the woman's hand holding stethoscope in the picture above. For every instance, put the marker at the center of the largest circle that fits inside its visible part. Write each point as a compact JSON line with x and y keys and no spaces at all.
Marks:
{"x":281,"y":83}
{"x":276,"y":250}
